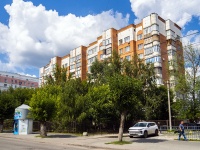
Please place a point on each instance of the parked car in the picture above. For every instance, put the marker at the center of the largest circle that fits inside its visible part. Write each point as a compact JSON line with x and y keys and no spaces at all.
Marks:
{"x":143,"y":129}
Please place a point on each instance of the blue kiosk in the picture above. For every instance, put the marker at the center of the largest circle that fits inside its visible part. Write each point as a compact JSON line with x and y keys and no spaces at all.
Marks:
{"x":22,"y":125}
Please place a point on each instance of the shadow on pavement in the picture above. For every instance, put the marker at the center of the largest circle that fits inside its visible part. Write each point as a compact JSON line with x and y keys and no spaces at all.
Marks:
{"x":148,"y":140}
{"x":61,"y":136}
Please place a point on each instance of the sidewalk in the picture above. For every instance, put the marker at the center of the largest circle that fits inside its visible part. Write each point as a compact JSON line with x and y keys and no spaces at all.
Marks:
{"x":91,"y":141}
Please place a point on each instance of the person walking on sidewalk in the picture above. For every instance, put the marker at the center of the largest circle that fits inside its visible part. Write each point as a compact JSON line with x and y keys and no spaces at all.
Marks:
{"x":181,"y":131}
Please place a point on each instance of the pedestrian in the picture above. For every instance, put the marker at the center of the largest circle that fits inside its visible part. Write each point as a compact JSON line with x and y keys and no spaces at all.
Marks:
{"x":181,"y":131}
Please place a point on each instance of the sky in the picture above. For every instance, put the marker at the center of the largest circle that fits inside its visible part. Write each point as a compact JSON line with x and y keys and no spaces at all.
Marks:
{"x":33,"y":31}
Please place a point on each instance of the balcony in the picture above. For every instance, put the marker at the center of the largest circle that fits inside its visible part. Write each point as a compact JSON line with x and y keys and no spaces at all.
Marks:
{"x":157,"y":64}
{"x":170,"y":37}
{"x":102,"y":47}
{"x":171,"y":47}
{"x":147,"y":35}
{"x":155,"y":32}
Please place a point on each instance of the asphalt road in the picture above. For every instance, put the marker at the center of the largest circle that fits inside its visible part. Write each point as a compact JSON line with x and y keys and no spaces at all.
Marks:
{"x":18,"y":144}
{"x":159,"y":143}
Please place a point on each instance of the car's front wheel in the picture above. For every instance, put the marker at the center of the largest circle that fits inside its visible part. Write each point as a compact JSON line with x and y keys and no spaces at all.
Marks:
{"x":145,"y":134}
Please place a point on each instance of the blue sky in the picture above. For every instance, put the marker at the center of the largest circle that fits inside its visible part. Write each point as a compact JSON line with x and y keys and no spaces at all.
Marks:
{"x":33,"y":31}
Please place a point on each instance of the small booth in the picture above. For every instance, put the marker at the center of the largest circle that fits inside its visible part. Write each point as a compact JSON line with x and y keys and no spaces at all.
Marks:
{"x":22,"y":124}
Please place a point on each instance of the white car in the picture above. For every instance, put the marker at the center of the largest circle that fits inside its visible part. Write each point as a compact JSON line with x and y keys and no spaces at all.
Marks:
{"x":143,"y":129}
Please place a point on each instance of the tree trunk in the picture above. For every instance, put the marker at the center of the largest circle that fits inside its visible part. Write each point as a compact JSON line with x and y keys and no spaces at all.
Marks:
{"x":121,"y":128}
{"x":1,"y":126}
{"x":43,"y":129}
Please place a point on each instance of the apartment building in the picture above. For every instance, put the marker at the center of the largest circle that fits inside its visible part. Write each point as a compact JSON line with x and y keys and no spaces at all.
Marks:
{"x":8,"y":79}
{"x":154,"y":40}
{"x":48,"y":69}
{"x":78,"y":62}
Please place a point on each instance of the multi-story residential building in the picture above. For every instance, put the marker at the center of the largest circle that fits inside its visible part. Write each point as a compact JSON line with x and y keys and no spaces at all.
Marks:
{"x":48,"y":69}
{"x":78,"y":62}
{"x":8,"y":79}
{"x":154,"y":40}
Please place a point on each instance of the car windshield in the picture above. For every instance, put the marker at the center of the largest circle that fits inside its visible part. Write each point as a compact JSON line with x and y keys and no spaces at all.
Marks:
{"x":140,"y":125}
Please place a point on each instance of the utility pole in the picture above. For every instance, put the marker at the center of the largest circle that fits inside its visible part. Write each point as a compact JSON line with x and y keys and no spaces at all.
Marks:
{"x":169,"y":107}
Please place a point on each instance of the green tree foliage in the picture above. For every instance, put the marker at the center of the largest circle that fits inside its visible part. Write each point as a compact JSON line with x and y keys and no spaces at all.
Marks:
{"x":126,"y":92}
{"x":72,"y":103}
{"x":188,"y":86}
{"x":7,"y":106}
{"x":100,"y":105}
{"x":43,"y":105}
{"x":58,"y":77}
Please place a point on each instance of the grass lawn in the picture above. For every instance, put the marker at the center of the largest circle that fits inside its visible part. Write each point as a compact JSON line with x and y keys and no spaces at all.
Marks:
{"x":119,"y":142}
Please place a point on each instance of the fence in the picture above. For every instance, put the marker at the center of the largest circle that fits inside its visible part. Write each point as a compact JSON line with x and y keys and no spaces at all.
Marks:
{"x":191,"y":132}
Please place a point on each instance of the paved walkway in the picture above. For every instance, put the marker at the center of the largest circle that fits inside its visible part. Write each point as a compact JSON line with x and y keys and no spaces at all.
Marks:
{"x":99,"y":141}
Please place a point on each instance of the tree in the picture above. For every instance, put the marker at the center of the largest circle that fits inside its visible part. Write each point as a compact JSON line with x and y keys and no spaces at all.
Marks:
{"x":188,"y":86}
{"x":58,"y":77}
{"x":126,"y":92}
{"x":72,"y":101}
{"x":43,"y":105}
{"x":7,"y":107}
{"x":100,"y":105}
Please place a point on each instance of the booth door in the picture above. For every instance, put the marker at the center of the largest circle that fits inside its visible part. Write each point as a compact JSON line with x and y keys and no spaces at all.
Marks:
{"x":16,"y":126}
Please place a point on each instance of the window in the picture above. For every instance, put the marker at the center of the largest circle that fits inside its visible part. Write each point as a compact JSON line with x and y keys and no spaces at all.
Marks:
{"x":156,"y":48}
{"x":148,"y":51}
{"x":89,"y":69}
{"x":108,"y":41}
{"x":120,"y":41}
{"x":157,"y":59}
{"x":78,"y":57}
{"x":158,"y":70}
{"x":148,"y":40}
{"x":5,"y":80}
{"x":101,"y":56}
{"x":127,"y":49}
{"x":92,"y":51}
{"x":108,"y":51}
{"x":78,"y":72}
{"x":78,"y":65}
{"x":171,"y":52}
{"x":121,"y":51}
{"x":72,"y":59}
{"x":140,"y":46}
{"x":5,"y":85}
{"x":147,"y":30}
{"x":139,"y":37}
{"x":154,"y":27}
{"x":91,"y":60}
{"x":72,"y":67}
{"x":128,"y":57}
{"x":153,"y":59}
{"x":140,"y":56}
{"x":65,"y":65}
{"x":127,"y":39}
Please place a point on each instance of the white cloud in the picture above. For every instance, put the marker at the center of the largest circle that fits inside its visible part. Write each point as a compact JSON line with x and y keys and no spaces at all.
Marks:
{"x":35,"y":34}
{"x":179,"y":11}
{"x":7,"y":67}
